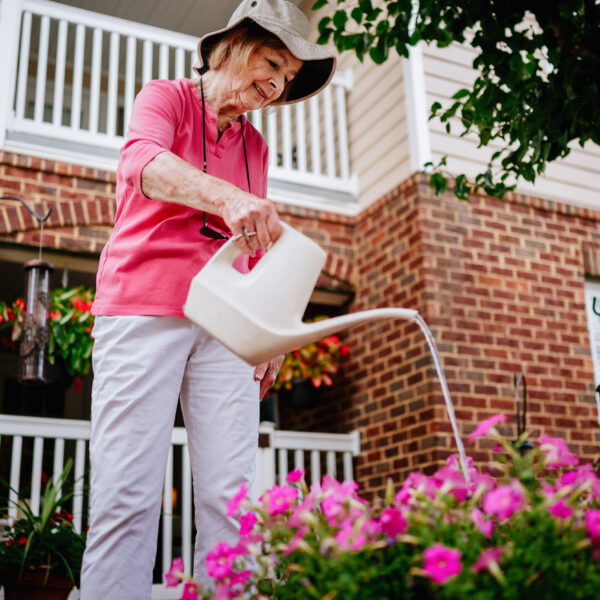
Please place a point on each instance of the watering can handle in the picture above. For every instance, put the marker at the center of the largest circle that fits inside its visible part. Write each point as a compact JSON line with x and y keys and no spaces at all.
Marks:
{"x":230,"y":250}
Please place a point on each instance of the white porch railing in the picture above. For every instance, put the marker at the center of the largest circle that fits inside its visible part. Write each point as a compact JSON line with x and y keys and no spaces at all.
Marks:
{"x":73,"y":75}
{"x":30,"y":446}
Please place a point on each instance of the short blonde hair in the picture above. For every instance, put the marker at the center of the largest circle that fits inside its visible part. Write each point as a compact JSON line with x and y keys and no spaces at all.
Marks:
{"x":237,"y":45}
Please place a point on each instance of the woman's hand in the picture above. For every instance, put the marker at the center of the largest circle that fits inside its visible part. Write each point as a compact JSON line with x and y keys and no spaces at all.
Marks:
{"x":255,"y":217}
{"x":266,"y":373}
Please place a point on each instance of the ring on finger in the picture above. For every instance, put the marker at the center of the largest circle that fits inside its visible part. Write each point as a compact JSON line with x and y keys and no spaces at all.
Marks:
{"x":247,"y":234}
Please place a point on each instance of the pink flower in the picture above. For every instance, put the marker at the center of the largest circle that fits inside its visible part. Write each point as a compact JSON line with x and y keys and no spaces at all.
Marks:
{"x":234,"y":504}
{"x":295,"y":476}
{"x":392,"y":522}
{"x":584,"y":475}
{"x":560,"y":510}
{"x":295,"y":541}
{"x":336,"y":502}
{"x":592,"y":523}
{"x":349,"y":539}
{"x":173,"y":575}
{"x":557,"y":452}
{"x":504,"y":501}
{"x":418,"y":483}
{"x":480,"y":522}
{"x":486,"y":558}
{"x":485,"y":426}
{"x":280,"y":498}
{"x":190,"y":591}
{"x":219,"y":561}
{"x":441,"y":563}
{"x":247,"y":522}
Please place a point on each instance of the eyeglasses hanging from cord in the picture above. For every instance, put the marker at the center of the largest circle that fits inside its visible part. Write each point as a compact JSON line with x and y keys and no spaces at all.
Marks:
{"x":34,"y":339}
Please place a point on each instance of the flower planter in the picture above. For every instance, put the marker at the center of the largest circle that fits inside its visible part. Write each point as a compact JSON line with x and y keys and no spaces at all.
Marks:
{"x":33,"y":584}
{"x":303,"y":394}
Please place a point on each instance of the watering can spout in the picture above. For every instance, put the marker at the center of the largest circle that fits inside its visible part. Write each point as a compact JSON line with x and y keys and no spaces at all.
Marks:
{"x":258,"y":315}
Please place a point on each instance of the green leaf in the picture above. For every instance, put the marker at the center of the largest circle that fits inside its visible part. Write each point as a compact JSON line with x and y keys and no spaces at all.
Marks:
{"x":319,"y":4}
{"x":357,"y":14}
{"x":438,"y":182}
{"x":340,"y":18}
{"x":461,"y":94}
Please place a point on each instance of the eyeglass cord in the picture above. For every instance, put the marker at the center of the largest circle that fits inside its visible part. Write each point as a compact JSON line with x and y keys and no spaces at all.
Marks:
{"x":205,"y":168}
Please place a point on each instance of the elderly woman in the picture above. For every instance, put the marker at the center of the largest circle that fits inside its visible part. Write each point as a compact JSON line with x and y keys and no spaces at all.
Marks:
{"x":193,"y":172}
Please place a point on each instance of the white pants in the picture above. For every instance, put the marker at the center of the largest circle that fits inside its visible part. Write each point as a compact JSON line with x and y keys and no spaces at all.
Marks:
{"x":142,"y":365}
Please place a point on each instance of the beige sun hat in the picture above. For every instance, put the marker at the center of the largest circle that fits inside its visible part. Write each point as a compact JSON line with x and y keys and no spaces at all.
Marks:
{"x":286,"y":21}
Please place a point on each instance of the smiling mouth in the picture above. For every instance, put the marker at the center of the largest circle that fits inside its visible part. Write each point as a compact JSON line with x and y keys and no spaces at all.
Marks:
{"x":260,"y":92}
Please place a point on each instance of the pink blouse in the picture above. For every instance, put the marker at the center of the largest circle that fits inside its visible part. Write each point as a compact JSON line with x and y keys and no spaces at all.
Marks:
{"x":156,"y":248}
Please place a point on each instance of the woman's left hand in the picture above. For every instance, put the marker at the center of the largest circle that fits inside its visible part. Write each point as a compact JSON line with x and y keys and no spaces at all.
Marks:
{"x":266,"y":373}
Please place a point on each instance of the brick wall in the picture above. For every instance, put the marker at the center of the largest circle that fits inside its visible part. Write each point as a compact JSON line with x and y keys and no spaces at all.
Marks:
{"x":81,"y":198}
{"x":501,"y":285}
{"x":499,"y":282}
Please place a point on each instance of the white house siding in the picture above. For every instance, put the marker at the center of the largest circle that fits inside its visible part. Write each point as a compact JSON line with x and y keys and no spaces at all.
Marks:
{"x":574,"y":179}
{"x":377,"y":132}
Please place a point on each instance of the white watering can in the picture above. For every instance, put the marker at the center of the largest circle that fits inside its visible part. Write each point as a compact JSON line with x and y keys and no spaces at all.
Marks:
{"x":258,"y":315}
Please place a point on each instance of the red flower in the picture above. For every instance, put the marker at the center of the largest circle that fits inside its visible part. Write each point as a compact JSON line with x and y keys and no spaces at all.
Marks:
{"x":76,"y":387}
{"x":55,"y":314}
{"x":10,"y":542}
{"x":20,"y":303}
{"x":344,"y":350}
{"x":22,"y":541}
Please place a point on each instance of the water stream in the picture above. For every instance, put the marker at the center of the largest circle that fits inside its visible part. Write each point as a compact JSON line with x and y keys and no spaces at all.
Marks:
{"x":418,"y":319}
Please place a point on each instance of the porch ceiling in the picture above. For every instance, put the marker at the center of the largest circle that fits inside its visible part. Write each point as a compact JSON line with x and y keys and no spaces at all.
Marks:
{"x":194,"y":17}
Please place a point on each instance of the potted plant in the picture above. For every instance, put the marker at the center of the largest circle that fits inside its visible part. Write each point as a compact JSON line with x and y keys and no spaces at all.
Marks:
{"x":530,"y":530}
{"x":70,"y":339}
{"x":306,"y":369}
{"x":40,"y":554}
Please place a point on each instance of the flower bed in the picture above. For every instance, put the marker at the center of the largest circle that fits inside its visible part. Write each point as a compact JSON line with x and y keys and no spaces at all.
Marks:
{"x":514,"y":534}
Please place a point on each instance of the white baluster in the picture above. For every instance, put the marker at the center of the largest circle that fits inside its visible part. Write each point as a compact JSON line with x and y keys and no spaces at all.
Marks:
{"x":298,"y":459}
{"x":179,"y":63}
{"x":301,"y":137}
{"x":186,"y":509}
{"x":59,"y":74}
{"x":129,"y":79}
{"x":95,"y":83}
{"x":348,"y":468}
{"x":331,"y":463}
{"x":283,"y":464}
{"x":340,"y":95}
{"x":147,"y":62}
{"x":58,"y":463}
{"x":286,"y":137}
{"x":167,"y":517}
{"x":36,"y":474}
{"x":315,"y":466}
{"x":42,"y":64}
{"x":80,"y":452}
{"x":315,"y":136}
{"x":15,"y":472}
{"x":257,"y":119}
{"x":113,"y":85}
{"x":272,"y":137}
{"x":329,"y":138}
{"x":77,"y":77}
{"x":163,"y":62}
{"x":23,"y":66}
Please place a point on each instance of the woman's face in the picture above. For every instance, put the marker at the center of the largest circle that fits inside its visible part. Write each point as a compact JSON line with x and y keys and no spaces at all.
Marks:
{"x":264,"y":79}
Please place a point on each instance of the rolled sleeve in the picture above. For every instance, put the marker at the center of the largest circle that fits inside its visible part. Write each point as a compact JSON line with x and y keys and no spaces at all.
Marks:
{"x":154,"y":118}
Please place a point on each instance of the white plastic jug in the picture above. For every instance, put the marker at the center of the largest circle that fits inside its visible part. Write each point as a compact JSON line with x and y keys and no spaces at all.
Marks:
{"x":258,"y":315}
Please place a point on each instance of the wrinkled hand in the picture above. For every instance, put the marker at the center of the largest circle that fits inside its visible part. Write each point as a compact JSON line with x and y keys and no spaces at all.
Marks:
{"x":266,"y":373}
{"x":255,"y":215}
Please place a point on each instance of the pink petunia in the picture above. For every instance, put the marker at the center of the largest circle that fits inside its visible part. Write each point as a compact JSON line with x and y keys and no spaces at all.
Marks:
{"x":592,"y":523}
{"x":486,"y":558}
{"x":295,"y":541}
{"x":504,"y":501}
{"x":350,"y":539}
{"x":233,"y":506}
{"x":557,"y":452}
{"x":583,"y":476}
{"x":560,"y":510}
{"x":220,"y":560}
{"x":486,"y":527}
{"x":484,"y":427}
{"x":441,"y":563}
{"x":416,"y":483}
{"x":295,"y":476}
{"x":190,"y":591}
{"x":392,"y":522}
{"x":174,"y":574}
{"x":336,"y":503}
{"x":280,"y":498}
{"x":247,"y":522}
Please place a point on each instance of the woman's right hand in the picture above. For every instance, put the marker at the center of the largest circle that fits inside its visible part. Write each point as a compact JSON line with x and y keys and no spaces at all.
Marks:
{"x":257,"y":216}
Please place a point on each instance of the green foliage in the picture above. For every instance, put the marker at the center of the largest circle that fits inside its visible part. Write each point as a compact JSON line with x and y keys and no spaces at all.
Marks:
{"x":538,"y":86}
{"x":46,"y":540}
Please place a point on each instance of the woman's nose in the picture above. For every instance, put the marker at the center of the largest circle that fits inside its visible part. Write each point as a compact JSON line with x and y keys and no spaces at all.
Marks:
{"x":277,"y":83}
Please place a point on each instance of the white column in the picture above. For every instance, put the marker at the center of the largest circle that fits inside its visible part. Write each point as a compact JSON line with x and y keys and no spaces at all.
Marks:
{"x":10,"y":27}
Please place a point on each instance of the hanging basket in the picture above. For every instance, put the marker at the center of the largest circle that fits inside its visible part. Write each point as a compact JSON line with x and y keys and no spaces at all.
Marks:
{"x":303,"y":394}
